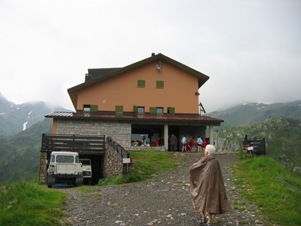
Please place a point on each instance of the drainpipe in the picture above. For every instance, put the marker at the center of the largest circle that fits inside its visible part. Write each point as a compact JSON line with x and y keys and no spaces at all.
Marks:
{"x":211,"y":134}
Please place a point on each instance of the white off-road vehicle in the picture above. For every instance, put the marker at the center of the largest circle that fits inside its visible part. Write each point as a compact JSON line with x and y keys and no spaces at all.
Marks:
{"x":64,"y":168}
{"x":87,"y":170}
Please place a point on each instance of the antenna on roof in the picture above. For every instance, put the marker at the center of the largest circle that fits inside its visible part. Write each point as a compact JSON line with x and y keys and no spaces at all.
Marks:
{"x":158,"y":65}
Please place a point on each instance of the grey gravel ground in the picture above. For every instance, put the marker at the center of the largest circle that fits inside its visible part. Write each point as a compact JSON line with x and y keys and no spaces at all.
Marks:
{"x":162,"y":200}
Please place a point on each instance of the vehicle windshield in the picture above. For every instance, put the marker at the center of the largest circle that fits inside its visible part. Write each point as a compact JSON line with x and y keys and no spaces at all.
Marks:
{"x":64,"y":159}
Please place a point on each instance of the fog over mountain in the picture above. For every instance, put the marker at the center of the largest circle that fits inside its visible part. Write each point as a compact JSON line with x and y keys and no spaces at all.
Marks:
{"x":15,"y":118}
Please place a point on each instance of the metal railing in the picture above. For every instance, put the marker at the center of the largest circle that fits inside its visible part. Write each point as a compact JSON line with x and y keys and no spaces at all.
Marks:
{"x":120,"y":152}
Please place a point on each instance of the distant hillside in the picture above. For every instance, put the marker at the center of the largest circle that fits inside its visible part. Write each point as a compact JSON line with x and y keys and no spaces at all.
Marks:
{"x":15,"y":118}
{"x":283,"y":140}
{"x":247,"y":114}
{"x":20,"y":154}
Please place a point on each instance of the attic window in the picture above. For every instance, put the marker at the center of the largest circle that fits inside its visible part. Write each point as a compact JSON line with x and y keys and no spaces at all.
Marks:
{"x":160,"y":84}
{"x":141,"y":83}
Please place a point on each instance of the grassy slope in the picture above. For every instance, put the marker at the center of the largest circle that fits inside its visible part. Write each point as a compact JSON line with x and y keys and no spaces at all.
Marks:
{"x":25,"y":203}
{"x":268,"y":185}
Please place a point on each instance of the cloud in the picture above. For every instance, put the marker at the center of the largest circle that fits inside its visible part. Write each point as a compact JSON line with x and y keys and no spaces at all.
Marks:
{"x":250,"y":49}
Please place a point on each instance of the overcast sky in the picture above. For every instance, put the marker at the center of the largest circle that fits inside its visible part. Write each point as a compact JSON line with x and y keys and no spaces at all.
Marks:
{"x":250,"y":49}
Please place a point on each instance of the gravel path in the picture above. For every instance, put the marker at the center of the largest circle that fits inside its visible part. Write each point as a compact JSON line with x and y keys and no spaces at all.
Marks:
{"x":162,"y":200}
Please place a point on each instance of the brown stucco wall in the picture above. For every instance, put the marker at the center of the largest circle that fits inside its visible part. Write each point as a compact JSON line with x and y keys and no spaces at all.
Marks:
{"x":179,"y":90}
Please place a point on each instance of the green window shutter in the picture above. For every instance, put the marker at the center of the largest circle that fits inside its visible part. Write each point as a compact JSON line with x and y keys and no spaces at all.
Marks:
{"x":141,"y":83}
{"x":135,"y":109}
{"x":93,"y":108}
{"x":160,"y":84}
{"x":171,"y":110}
{"x":153,"y":110}
{"x":118,"y":108}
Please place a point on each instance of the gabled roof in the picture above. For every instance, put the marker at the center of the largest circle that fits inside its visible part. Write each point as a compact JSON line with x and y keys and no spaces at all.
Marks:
{"x":97,"y":75}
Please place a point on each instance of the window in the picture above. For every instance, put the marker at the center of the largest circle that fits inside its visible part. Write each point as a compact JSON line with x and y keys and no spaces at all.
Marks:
{"x":64,"y":159}
{"x":140,"y":110}
{"x":156,"y":110}
{"x":141,"y":83}
{"x":171,"y":110}
{"x":87,"y":108}
{"x":90,"y":108}
{"x":159,"y":110}
{"x":160,"y":84}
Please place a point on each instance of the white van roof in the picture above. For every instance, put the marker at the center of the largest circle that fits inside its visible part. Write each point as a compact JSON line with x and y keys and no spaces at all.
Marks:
{"x":64,"y":153}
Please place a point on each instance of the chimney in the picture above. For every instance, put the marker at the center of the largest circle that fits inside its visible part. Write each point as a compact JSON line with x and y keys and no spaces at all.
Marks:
{"x":153,"y":54}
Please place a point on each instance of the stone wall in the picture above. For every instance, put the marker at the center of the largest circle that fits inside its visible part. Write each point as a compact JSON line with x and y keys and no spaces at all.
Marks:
{"x":112,"y":165}
{"x":120,"y":132}
{"x":42,"y":176}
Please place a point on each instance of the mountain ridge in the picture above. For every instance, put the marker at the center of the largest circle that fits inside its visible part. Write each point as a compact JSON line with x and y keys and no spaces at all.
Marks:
{"x":248,"y":113}
{"x":15,"y":118}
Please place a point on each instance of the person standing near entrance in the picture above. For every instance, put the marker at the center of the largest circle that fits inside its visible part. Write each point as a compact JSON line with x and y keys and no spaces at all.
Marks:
{"x":173,"y":141}
{"x":184,"y":143}
{"x":199,"y":143}
{"x":207,"y":188}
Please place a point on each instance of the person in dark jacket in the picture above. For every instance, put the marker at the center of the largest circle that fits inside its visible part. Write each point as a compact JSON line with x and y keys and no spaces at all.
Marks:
{"x":173,"y":141}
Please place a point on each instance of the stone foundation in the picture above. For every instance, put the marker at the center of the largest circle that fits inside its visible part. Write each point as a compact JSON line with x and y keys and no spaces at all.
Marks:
{"x":43,"y":169}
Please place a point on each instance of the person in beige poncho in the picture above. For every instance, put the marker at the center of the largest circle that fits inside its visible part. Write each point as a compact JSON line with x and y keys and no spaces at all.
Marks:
{"x":207,"y":188}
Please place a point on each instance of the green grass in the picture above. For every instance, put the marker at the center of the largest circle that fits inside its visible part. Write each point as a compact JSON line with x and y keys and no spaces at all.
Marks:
{"x":261,"y":179}
{"x":146,"y":163}
{"x":27,"y":203}
{"x":272,"y":188}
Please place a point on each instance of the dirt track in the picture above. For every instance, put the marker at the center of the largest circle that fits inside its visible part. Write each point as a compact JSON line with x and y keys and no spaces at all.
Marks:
{"x":162,"y":200}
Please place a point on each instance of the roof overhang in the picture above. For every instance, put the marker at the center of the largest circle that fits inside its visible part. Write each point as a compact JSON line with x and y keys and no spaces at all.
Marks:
{"x":176,"y":119}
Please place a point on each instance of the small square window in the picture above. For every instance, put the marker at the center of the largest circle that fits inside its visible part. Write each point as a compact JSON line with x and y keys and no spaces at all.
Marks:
{"x":160,"y":84}
{"x":141,"y":83}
